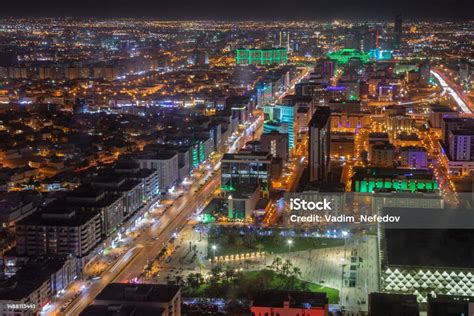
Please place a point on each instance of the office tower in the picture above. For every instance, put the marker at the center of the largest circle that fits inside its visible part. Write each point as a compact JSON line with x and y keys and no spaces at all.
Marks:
{"x":287,"y":44}
{"x":319,"y":141}
{"x":397,"y":33}
{"x":425,"y":73}
{"x":281,"y":118}
{"x":329,"y":67}
{"x":275,"y":143}
{"x":370,"y":40}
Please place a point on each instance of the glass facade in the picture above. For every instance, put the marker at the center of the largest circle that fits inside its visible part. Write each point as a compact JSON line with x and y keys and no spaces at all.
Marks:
{"x":280,"y":118}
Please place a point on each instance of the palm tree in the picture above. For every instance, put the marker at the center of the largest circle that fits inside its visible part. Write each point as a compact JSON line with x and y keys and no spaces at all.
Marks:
{"x":286,"y":268}
{"x":277,"y":261}
{"x":199,"y":264}
{"x":296,"y":272}
{"x":229,"y":273}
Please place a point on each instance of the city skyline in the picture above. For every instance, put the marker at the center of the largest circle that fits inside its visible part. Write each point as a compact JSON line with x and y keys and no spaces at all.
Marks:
{"x":240,"y":10}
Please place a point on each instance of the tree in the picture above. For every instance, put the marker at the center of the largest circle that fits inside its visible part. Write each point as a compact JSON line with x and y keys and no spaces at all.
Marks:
{"x":277,"y":262}
{"x":286,"y":268}
{"x":193,"y":280}
{"x":250,"y":239}
{"x":179,"y":280}
{"x":199,"y":264}
{"x":295,"y":274}
{"x":216,"y":274}
{"x":229,"y":274}
{"x":238,"y":241}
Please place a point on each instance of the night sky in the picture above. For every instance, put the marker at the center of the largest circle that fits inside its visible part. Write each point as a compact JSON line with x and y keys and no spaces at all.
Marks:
{"x":244,"y":9}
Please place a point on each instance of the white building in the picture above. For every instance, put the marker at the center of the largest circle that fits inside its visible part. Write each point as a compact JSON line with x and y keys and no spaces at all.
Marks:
{"x":166,"y":163}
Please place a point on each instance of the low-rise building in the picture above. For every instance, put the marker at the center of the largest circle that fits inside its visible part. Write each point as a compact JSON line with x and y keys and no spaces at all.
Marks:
{"x":385,"y":304}
{"x":414,"y":157}
{"x":290,"y":303}
{"x":152,"y":297}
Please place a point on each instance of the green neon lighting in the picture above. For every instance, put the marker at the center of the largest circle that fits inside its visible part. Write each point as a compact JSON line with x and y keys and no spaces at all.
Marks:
{"x":201,"y":153}
{"x":227,"y":188}
{"x":365,"y":186}
{"x":195,"y":157}
{"x":269,"y":56}
{"x":343,"y":56}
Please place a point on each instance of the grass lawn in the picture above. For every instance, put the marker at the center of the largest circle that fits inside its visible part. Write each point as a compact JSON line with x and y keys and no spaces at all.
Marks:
{"x":252,"y":282}
{"x":271,"y":279}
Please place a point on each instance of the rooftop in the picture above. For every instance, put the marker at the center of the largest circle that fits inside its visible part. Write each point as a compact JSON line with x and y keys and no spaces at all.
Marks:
{"x":391,"y":173}
{"x":384,"y":304}
{"x":453,"y":248}
{"x":29,"y":278}
{"x":296,"y":299}
{"x":120,"y":292}
{"x":121,"y":310}
{"x":320,"y":117}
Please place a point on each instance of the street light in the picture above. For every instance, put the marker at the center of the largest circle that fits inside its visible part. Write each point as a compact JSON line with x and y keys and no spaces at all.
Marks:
{"x":345,"y":234}
{"x":290,"y":242}
{"x":214,"y":247}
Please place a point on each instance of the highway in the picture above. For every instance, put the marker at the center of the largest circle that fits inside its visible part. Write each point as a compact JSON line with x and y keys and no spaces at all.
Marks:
{"x":150,"y":242}
{"x":153,"y":237}
{"x":450,"y":88}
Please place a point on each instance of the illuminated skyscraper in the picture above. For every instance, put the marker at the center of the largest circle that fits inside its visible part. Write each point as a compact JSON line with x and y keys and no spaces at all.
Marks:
{"x":319,"y":142}
{"x":281,"y":118}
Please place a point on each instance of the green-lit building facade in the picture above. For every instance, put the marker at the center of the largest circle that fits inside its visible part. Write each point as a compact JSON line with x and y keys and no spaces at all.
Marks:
{"x":344,"y":56}
{"x":391,"y":179}
{"x":269,"y":56}
{"x":281,"y":118}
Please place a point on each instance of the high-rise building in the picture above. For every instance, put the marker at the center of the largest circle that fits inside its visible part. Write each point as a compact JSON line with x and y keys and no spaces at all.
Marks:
{"x":319,"y":141}
{"x":397,"y":33}
{"x":329,"y":67}
{"x":281,"y":118}
{"x":461,"y":144}
{"x":370,"y":40}
{"x":425,"y":73}
{"x":275,"y":143}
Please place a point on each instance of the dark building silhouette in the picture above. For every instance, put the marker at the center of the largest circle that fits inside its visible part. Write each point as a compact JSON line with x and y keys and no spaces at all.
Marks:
{"x":397,"y":33}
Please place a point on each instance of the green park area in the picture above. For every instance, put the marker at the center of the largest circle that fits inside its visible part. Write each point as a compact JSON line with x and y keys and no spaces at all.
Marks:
{"x":230,"y":240}
{"x":225,"y":282}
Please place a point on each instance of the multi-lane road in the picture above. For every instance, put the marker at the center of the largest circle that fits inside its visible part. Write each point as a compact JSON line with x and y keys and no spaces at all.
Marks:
{"x":150,"y":242}
{"x":153,"y":238}
{"x":452,"y":89}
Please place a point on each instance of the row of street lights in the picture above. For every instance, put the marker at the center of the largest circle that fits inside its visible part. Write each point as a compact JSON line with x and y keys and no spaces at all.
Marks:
{"x":289,"y":242}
